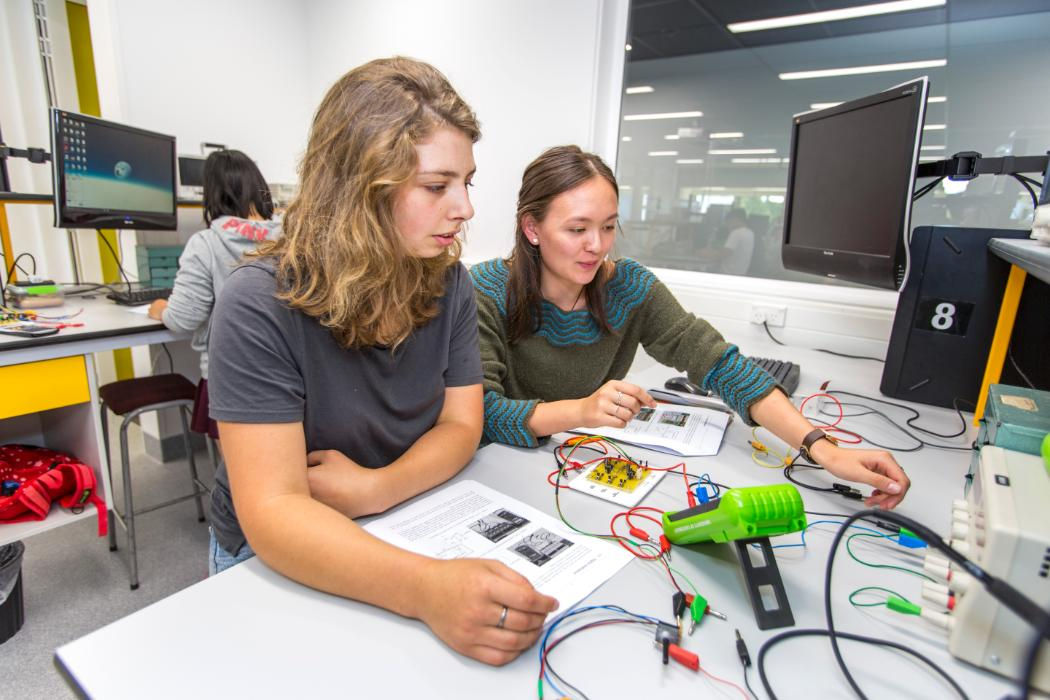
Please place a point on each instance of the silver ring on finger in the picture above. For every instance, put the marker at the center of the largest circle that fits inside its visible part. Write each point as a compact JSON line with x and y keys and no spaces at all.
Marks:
{"x":619,"y":397}
{"x":502,"y":618}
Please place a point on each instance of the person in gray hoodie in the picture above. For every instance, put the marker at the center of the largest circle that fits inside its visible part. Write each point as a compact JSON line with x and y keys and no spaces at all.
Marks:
{"x":238,"y":211}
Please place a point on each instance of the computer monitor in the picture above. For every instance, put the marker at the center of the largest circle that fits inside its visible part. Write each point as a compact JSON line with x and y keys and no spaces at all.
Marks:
{"x":109,"y":175}
{"x":191,"y":171}
{"x":850,"y":180}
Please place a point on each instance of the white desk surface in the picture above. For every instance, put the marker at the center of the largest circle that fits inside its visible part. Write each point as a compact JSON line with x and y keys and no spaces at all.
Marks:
{"x":107,"y":326}
{"x":250,"y":632}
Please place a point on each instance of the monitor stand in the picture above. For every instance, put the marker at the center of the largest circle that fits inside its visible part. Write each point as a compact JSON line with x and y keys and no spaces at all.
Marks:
{"x":764,"y":585}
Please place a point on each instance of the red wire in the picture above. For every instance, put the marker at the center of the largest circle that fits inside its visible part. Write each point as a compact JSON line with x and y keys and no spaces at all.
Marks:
{"x":571,"y":466}
{"x":621,"y":538}
{"x":802,"y":407}
{"x":722,"y":680}
{"x":832,"y":427}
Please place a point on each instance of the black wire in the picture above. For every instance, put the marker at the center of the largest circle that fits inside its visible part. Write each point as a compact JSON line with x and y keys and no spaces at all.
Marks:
{"x":765,"y":325}
{"x":1017,"y":367}
{"x":910,"y":422}
{"x":794,"y":463}
{"x":1030,"y":180}
{"x":925,"y":189}
{"x":1024,"y":183}
{"x":855,"y":357}
{"x":747,"y":684}
{"x":116,"y":258}
{"x":920,"y":443}
{"x":167,"y":352}
{"x":14,"y":264}
{"x":10,"y":271}
{"x":784,"y":636}
{"x":1028,"y":670}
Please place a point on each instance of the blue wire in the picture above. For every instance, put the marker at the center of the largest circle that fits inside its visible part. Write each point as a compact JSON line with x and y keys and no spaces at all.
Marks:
{"x":704,"y":480}
{"x":576,"y":611}
{"x":830,"y":522}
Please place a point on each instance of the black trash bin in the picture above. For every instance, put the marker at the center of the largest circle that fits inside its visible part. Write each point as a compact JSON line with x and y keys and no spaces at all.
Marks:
{"x":12,"y":610}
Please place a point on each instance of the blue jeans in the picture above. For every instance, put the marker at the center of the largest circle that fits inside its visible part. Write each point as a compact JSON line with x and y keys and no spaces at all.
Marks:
{"x":219,"y":559}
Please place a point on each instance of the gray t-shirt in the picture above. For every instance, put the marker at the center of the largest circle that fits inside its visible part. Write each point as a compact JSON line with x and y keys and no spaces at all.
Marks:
{"x":273,"y":364}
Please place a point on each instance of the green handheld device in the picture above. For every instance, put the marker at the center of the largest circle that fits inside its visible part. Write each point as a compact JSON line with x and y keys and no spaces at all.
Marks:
{"x":743,"y":513}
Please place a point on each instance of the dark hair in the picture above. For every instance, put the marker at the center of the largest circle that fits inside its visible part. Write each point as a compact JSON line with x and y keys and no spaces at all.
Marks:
{"x":233,"y":186}
{"x":737,"y":213}
{"x":557,"y":170}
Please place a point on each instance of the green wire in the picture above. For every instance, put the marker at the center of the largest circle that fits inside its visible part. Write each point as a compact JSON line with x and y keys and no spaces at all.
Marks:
{"x":873,"y":588}
{"x":557,"y":498}
{"x":695,"y":591}
{"x":857,"y":559}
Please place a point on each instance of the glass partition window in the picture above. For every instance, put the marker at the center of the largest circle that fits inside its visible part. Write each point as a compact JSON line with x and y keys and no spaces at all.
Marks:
{"x":706,"y":121}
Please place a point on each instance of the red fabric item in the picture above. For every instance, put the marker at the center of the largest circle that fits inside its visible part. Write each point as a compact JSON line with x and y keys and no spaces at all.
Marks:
{"x":46,"y":476}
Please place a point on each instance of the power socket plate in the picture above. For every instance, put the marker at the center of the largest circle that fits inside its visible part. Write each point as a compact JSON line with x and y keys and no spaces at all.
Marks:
{"x":773,"y":315}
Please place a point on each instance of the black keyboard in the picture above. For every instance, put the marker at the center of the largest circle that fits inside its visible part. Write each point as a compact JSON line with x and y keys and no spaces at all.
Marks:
{"x":139,"y":296}
{"x":785,"y":373}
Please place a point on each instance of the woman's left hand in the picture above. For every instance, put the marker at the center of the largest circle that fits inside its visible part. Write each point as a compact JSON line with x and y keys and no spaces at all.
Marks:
{"x":873,"y":467}
{"x":343,"y":484}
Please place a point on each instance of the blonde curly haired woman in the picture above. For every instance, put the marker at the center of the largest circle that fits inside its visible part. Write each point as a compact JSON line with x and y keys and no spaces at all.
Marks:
{"x":346,"y":376}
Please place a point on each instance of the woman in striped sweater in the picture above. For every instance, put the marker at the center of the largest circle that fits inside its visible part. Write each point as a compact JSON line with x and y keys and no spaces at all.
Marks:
{"x":560,"y":325}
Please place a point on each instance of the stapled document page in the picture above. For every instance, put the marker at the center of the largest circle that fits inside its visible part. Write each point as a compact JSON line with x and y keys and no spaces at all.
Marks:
{"x":468,"y":519}
{"x":686,"y":431}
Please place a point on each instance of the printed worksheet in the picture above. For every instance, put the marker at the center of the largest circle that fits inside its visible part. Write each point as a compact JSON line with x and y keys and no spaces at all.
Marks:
{"x":686,"y":431}
{"x":468,"y":519}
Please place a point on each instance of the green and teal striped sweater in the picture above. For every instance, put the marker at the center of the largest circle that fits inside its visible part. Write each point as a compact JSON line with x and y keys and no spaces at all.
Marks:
{"x":569,"y":357}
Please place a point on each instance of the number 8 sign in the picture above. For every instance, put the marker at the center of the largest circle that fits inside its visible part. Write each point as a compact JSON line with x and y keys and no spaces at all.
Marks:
{"x":943,"y":316}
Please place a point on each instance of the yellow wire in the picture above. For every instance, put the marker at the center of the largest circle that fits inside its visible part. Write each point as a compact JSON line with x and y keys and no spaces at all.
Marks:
{"x":759,"y":449}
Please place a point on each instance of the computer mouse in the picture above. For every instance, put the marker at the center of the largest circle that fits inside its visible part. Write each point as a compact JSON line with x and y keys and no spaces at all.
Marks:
{"x":684,"y":385}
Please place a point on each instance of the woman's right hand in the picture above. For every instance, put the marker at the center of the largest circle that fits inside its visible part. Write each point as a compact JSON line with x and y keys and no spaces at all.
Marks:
{"x":614,"y":404}
{"x":462,"y":601}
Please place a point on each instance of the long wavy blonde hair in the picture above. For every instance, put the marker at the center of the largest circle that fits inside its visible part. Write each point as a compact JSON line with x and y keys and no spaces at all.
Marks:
{"x":340,"y":258}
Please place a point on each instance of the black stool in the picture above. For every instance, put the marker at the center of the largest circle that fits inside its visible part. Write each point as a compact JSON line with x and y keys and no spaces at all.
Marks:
{"x":130,"y":398}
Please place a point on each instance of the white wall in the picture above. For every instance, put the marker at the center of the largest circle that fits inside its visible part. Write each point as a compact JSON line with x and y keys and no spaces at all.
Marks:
{"x":534,"y":72}
{"x":225,"y":72}
{"x":249,"y":73}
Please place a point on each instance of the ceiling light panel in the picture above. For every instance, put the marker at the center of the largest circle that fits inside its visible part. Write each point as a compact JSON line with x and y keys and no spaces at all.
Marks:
{"x":859,"y":70}
{"x":661,"y":115}
{"x":879,"y":8}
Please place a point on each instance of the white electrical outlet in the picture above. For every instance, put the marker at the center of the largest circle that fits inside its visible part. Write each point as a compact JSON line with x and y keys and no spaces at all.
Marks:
{"x":770,"y":314}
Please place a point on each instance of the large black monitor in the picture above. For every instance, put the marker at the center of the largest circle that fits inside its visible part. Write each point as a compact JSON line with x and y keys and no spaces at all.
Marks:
{"x":109,"y":175}
{"x":850,"y":179}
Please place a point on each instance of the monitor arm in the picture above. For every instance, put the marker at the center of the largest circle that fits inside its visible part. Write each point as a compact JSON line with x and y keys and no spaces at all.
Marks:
{"x":33,"y":155}
{"x":966,"y":165}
